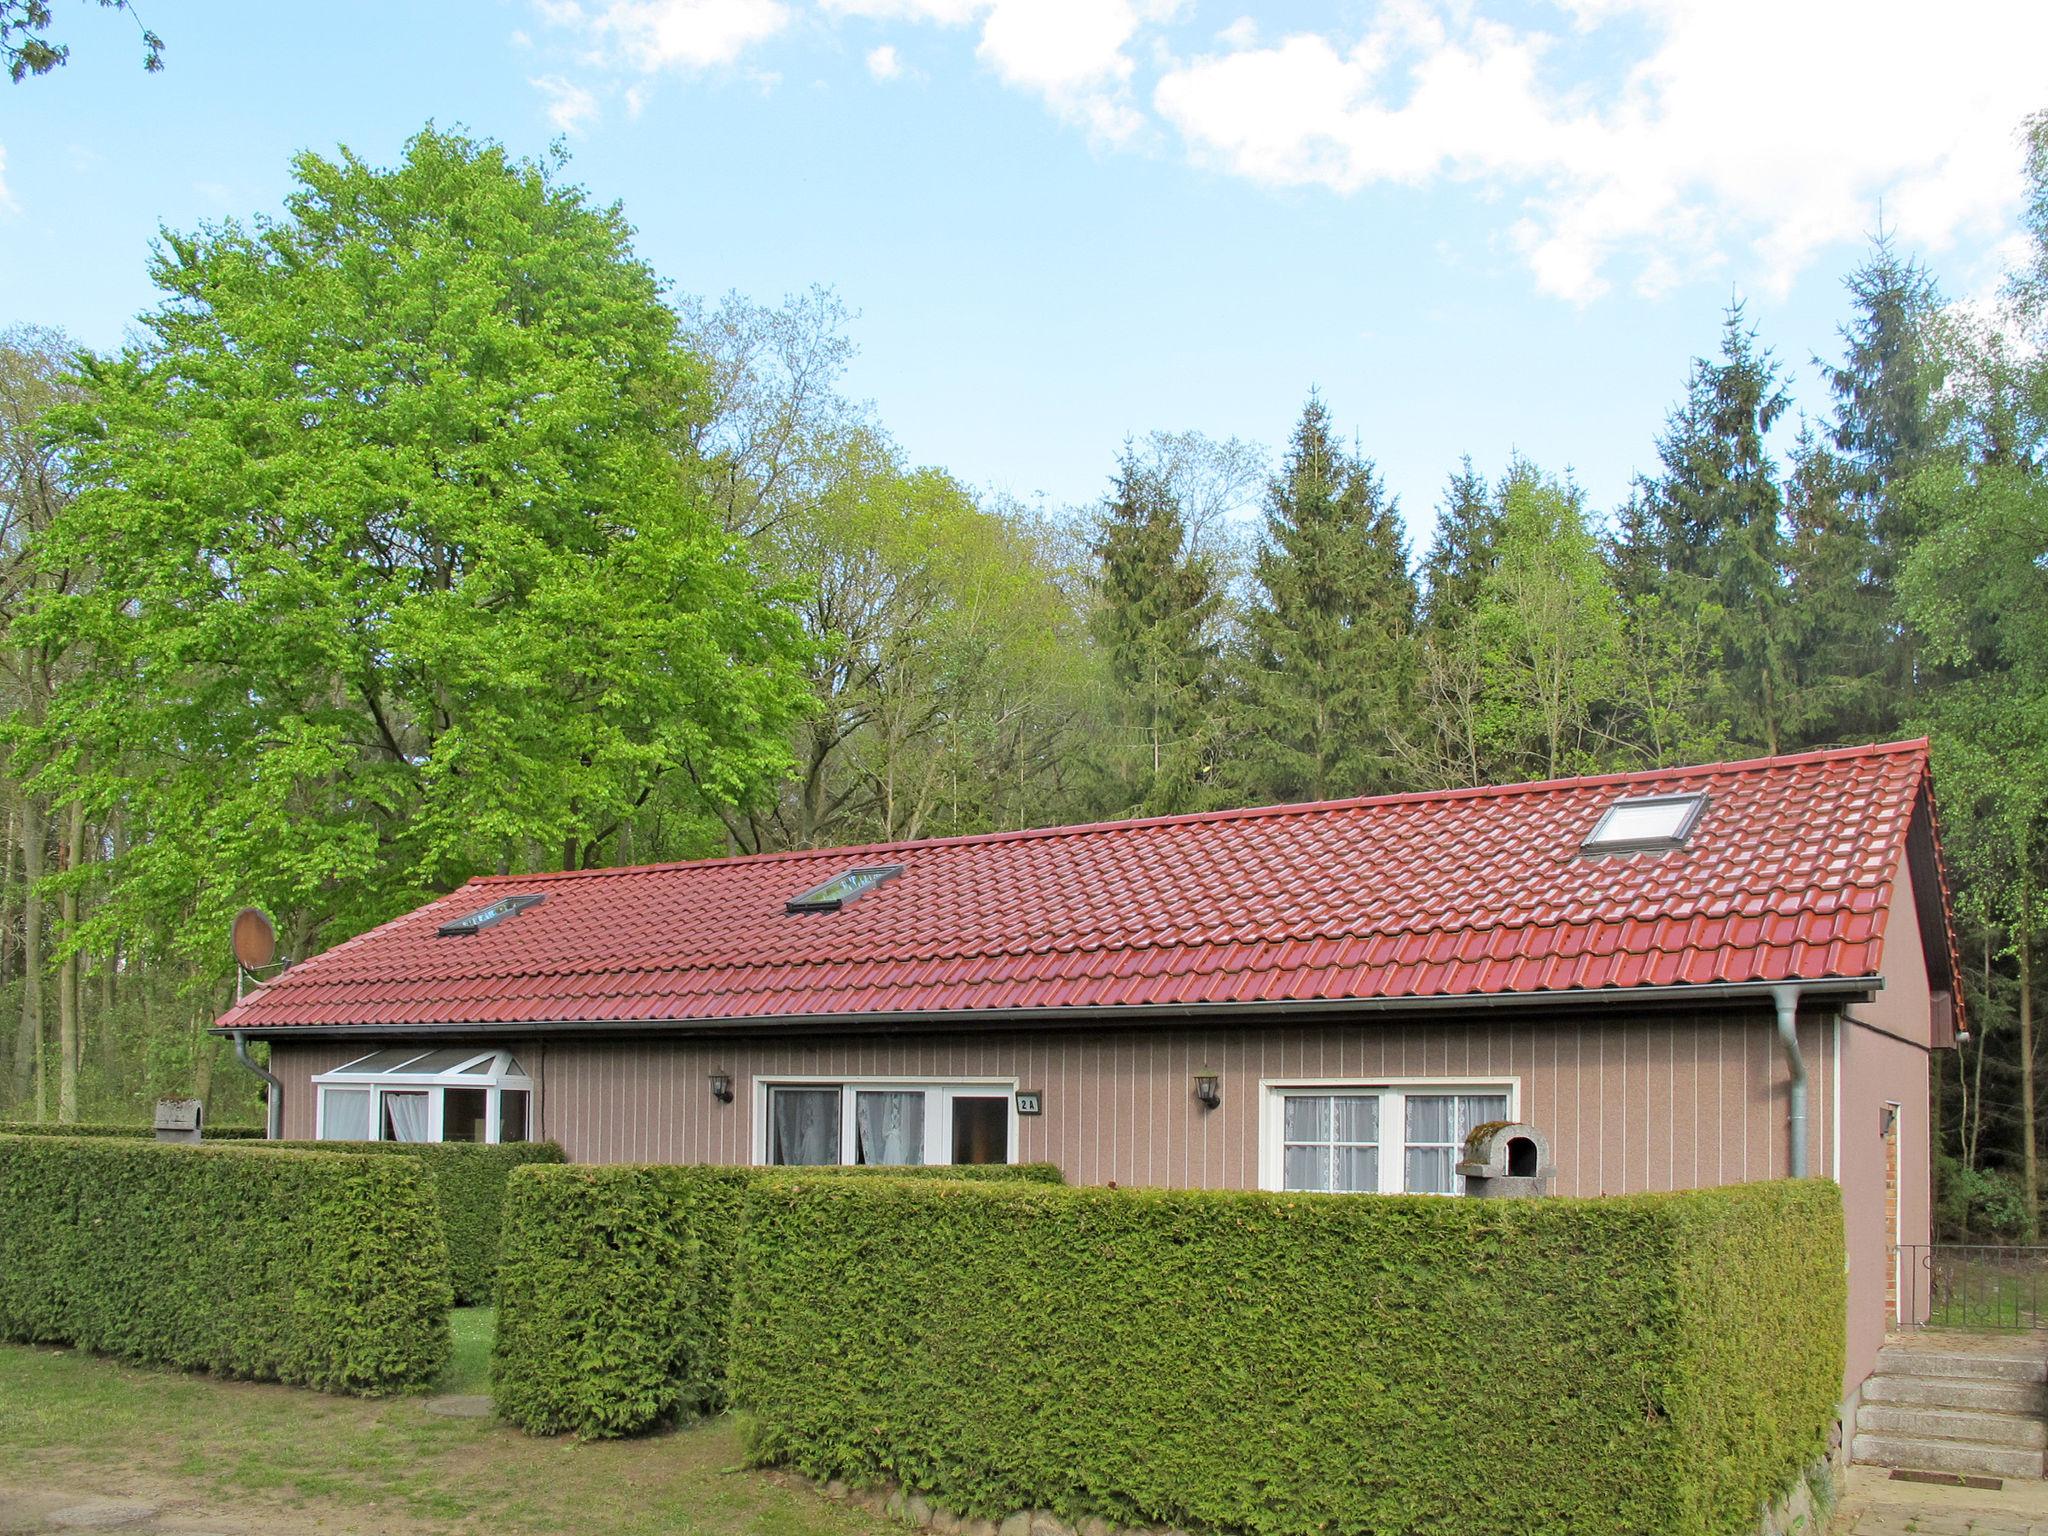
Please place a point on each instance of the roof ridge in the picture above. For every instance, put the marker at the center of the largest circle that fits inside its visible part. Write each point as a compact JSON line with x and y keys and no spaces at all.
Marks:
{"x":1900,"y":747}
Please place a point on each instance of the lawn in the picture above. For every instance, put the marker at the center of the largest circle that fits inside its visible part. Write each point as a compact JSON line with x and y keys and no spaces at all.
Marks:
{"x":346,"y":1464}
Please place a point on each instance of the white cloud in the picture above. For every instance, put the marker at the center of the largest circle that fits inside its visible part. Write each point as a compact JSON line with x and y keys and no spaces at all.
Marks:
{"x":1072,"y":53}
{"x":570,"y":107}
{"x":653,"y":35}
{"x":1747,"y":129}
{"x":7,"y":203}
{"x":883,"y":63}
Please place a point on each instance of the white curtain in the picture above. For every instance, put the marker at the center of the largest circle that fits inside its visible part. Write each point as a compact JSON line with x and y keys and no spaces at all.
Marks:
{"x":405,"y":1116}
{"x":1445,"y":1119}
{"x":346,"y":1115}
{"x":803,"y":1127}
{"x":890,"y":1127}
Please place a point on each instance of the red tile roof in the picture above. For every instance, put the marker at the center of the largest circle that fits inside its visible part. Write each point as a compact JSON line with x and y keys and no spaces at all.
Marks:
{"x":1787,"y":876}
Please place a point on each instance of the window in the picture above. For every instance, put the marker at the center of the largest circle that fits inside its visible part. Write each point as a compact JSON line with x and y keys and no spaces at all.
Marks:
{"x":1645,"y":824}
{"x":404,"y":1093}
{"x":840,"y":889}
{"x":1390,"y":1139}
{"x":1333,"y":1141}
{"x":885,"y":1123}
{"x":1438,"y":1124}
{"x":484,"y":917}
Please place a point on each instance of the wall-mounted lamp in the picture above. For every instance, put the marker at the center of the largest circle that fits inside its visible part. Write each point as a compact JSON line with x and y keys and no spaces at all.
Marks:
{"x":1887,"y":1117}
{"x":721,"y":1087}
{"x":1209,"y":1090}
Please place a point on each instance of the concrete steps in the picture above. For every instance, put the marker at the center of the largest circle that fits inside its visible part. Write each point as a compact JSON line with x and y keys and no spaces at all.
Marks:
{"x":1975,"y":1404}
{"x":1959,"y":1392}
{"x":2026,"y":1434}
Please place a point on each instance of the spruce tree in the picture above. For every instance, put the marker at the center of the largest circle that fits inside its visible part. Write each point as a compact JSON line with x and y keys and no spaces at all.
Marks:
{"x":1331,"y":630}
{"x":1886,"y":429}
{"x":1885,"y":388}
{"x":1463,"y":548}
{"x":1155,"y":615}
{"x":1838,"y":625}
{"x":1720,"y":515}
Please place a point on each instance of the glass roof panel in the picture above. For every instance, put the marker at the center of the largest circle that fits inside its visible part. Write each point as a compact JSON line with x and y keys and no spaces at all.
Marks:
{"x":840,"y":889}
{"x":1646,"y":823}
{"x":382,"y":1061}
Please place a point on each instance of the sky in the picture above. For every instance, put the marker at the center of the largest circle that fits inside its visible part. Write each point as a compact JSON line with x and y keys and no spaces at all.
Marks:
{"x":1475,"y":228}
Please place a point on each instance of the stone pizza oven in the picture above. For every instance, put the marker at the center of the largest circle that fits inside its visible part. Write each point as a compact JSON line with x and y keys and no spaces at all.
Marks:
{"x":1507,"y":1158}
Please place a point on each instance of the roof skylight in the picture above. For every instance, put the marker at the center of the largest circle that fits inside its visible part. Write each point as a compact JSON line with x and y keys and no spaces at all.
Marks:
{"x":496,"y":912}
{"x":840,"y":889}
{"x":1645,"y":824}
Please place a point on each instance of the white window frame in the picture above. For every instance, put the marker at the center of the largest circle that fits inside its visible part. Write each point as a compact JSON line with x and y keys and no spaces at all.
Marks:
{"x":496,"y":1083}
{"x":939,"y":1094}
{"x":1392,"y":1093}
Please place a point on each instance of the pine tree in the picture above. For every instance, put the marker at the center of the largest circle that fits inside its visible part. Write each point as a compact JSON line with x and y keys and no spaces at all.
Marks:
{"x":1839,"y":625}
{"x":1157,"y":607}
{"x":1886,"y":429}
{"x":1331,"y":628}
{"x":1719,"y":510}
{"x":1886,"y":425}
{"x":1463,"y":547}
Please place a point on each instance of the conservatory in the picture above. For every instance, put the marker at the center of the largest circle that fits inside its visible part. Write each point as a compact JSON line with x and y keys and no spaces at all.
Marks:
{"x":408,"y":1094}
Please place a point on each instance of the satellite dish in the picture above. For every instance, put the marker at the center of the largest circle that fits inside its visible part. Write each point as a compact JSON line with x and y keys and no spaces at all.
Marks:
{"x":255,"y":940}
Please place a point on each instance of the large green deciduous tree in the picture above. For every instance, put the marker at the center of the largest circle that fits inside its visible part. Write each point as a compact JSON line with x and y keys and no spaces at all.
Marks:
{"x":28,"y":49}
{"x":401,"y":566}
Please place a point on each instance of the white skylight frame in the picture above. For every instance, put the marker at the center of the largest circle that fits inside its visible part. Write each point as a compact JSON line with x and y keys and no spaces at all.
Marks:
{"x":1646,"y":823}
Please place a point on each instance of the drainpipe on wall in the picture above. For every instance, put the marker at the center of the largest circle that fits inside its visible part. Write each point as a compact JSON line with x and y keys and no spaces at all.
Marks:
{"x":274,"y":1099}
{"x":1787,"y":1000}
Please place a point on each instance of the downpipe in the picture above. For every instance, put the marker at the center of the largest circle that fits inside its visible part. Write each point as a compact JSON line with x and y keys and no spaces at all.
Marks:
{"x":1786,"y":998}
{"x":274,"y":1099}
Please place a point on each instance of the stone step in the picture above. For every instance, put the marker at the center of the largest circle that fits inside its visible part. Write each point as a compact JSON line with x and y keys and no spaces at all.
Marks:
{"x":1958,"y":1392}
{"x":1924,"y":1454}
{"x":2002,"y":1429}
{"x":2015,"y":1364}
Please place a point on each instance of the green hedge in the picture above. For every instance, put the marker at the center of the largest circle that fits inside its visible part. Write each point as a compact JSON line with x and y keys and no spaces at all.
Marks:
{"x":468,"y":1180}
{"x":615,"y":1286}
{"x":140,"y":1132}
{"x":1295,"y":1364}
{"x":319,"y":1269}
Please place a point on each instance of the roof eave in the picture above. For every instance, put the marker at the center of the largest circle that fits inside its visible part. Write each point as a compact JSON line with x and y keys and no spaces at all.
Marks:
{"x":1839,"y":988}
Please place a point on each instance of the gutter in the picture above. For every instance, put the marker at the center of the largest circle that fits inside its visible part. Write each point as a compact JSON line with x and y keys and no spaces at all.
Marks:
{"x":274,"y":1099}
{"x":1849,"y":988}
{"x":1786,"y":1000}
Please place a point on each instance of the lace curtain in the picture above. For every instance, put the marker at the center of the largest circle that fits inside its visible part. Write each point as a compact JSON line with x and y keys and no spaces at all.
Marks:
{"x":890,"y":1127}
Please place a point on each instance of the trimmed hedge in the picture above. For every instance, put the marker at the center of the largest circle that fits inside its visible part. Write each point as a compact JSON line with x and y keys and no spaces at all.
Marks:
{"x":1293,"y":1364}
{"x":141,"y":1132}
{"x":319,"y":1269}
{"x":468,"y":1181}
{"x":615,"y":1287}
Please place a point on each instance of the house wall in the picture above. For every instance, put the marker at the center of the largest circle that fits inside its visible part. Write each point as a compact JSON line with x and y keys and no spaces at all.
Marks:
{"x":1664,"y":1102}
{"x":1885,"y":1059}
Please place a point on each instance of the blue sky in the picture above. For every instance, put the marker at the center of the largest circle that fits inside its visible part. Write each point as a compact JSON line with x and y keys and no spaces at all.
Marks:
{"x":1476,"y":229}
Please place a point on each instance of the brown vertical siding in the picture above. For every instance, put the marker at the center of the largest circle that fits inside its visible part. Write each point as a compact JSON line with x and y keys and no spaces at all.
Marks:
{"x":1655,"y":1103}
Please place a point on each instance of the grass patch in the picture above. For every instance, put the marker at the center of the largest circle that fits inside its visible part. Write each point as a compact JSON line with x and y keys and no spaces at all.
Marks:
{"x":72,"y":1419}
{"x":469,"y":1366}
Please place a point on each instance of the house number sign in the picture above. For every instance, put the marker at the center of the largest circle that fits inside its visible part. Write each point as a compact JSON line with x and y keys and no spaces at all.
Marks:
{"x":1028,"y":1103}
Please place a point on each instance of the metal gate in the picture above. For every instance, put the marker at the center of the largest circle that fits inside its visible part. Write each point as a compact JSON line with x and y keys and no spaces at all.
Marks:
{"x":1972,"y":1285}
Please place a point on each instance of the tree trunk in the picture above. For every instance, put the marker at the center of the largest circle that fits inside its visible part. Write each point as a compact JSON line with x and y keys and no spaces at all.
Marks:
{"x":2032,"y":1163}
{"x":67,"y":973}
{"x":28,"y":1043}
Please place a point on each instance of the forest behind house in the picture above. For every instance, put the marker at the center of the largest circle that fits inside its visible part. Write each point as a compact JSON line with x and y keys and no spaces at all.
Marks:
{"x":420,"y":531}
